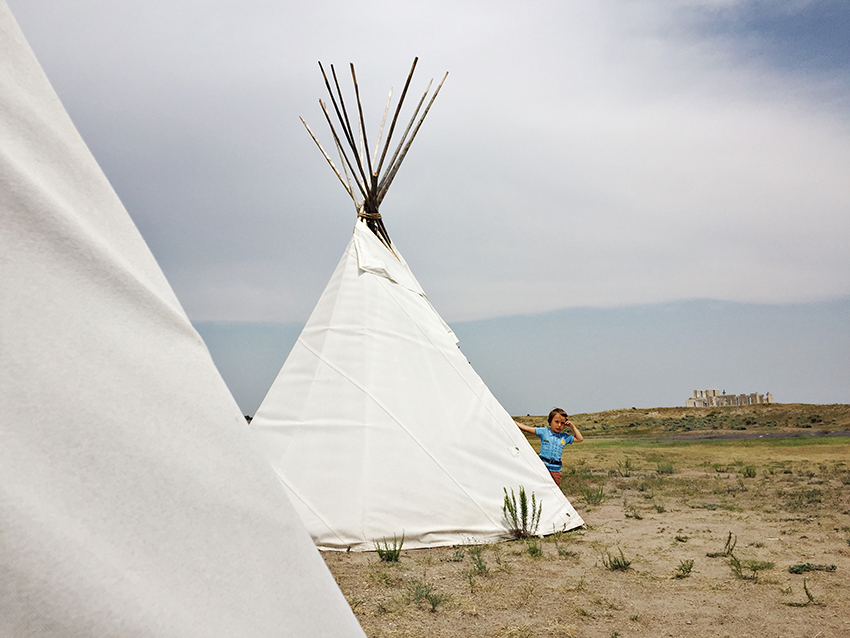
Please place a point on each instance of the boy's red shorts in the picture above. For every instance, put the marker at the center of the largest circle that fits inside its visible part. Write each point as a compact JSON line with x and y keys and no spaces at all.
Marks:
{"x":556,"y":476}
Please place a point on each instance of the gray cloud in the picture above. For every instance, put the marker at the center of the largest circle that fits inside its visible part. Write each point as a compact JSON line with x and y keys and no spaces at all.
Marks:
{"x":581,"y":154}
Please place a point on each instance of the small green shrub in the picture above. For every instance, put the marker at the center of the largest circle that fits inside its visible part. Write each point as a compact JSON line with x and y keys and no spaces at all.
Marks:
{"x":469,"y":575}
{"x":533,"y":548}
{"x":684,"y":568}
{"x":420,"y":592}
{"x":593,"y":495}
{"x":522,"y":521}
{"x":749,"y":471}
{"x":458,"y":555}
{"x":479,"y":565}
{"x":810,"y":567}
{"x":741,"y":567}
{"x":390,"y":553}
{"x":664,"y":467}
{"x":616,"y":562}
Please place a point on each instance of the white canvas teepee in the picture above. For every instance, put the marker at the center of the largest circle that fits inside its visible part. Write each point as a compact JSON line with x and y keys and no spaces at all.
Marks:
{"x":132,"y":499}
{"x":378,"y":425}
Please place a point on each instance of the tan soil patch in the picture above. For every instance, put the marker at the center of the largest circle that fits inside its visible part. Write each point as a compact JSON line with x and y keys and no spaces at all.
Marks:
{"x":795,"y":510}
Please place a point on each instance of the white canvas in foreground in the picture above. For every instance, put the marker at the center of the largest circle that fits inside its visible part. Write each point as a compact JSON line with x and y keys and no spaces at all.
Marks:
{"x":378,"y":425}
{"x":132,"y":501}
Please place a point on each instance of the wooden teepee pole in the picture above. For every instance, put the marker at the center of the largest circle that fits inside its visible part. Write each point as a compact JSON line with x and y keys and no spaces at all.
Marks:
{"x":365,"y":169}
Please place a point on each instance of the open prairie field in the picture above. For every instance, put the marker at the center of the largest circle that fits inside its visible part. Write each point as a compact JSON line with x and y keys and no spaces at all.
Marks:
{"x":693,"y":537}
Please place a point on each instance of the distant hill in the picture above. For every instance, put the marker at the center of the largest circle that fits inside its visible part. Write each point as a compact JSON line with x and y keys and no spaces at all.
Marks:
{"x":788,"y":418}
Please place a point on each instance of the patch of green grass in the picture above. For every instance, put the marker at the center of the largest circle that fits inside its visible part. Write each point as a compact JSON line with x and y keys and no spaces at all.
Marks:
{"x":479,"y":565}
{"x":664,"y":467}
{"x":802,"y":499}
{"x":716,"y":506}
{"x":810,"y":567}
{"x":684,"y":568}
{"x":390,"y":553}
{"x":630,"y":444}
{"x":593,"y":495}
{"x":748,"y":569}
{"x":458,"y":555}
{"x":614,"y":562}
{"x":533,"y":548}
{"x":557,"y":537}
{"x":420,"y":592}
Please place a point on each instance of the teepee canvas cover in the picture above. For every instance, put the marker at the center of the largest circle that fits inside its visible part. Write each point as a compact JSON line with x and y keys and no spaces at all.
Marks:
{"x":379,"y":427}
{"x":132,"y":500}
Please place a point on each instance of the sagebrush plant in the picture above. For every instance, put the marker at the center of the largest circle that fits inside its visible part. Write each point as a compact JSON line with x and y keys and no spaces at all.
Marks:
{"x":522,"y":520}
{"x":390,"y":553}
{"x":593,"y":495}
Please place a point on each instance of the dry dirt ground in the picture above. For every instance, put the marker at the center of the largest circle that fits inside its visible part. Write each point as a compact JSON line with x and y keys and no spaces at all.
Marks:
{"x":767,"y":504}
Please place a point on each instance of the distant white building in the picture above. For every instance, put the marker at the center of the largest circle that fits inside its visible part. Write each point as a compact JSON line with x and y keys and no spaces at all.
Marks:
{"x":716,"y":398}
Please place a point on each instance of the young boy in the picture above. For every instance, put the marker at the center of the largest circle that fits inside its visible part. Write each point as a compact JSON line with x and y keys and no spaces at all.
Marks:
{"x":552,"y":440}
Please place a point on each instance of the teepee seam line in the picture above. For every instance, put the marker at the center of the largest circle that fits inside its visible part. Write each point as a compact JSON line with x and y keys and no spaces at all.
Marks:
{"x":450,"y":362}
{"x":529,"y":462}
{"x":403,"y":427}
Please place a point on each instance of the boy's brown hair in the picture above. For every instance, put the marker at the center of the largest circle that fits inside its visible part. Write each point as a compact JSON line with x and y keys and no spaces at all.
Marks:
{"x":557,"y":411}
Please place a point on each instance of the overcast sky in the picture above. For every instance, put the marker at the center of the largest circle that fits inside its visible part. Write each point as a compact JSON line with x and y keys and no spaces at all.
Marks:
{"x":582,"y":155}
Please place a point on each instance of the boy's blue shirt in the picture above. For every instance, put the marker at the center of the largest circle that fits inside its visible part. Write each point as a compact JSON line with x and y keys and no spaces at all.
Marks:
{"x":552,"y":446}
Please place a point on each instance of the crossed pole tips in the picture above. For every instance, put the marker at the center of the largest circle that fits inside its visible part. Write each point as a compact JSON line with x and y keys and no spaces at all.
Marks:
{"x":362,"y":175}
